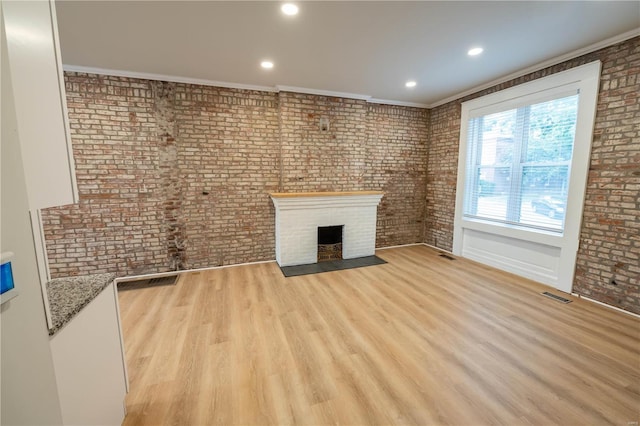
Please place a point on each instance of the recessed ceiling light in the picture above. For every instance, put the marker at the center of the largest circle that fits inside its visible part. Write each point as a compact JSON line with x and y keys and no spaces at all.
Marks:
{"x":289,"y":9}
{"x":475,"y":51}
{"x":266,"y":64}
{"x":410,"y":83}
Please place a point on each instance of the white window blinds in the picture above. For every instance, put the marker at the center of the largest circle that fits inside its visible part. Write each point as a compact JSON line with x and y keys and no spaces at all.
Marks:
{"x":518,"y":163}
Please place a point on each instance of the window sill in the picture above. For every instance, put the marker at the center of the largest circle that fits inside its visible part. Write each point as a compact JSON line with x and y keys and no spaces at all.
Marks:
{"x":553,"y":239}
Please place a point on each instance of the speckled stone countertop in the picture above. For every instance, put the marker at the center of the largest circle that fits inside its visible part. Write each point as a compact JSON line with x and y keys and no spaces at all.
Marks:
{"x":67,"y":296}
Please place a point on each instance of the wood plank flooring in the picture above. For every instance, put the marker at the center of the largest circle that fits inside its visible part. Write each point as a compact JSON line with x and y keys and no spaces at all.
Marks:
{"x":420,"y":340}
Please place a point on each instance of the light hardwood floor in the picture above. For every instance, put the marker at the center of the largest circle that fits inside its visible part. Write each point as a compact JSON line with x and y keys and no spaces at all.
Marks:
{"x":420,"y":340}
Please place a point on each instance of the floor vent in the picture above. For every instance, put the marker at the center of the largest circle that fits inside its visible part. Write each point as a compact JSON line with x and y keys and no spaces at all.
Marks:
{"x":145,"y":283}
{"x":446,"y":256}
{"x":556,"y":297}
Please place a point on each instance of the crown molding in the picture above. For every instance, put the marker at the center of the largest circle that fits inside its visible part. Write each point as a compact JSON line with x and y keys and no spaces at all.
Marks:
{"x":553,"y":61}
{"x":349,"y":96}
{"x":398,"y":103}
{"x":214,"y":83}
{"x":319,"y":92}
{"x":164,"y":77}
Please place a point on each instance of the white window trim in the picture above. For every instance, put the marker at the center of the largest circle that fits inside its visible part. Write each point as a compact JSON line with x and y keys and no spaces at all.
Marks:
{"x":586,"y":78}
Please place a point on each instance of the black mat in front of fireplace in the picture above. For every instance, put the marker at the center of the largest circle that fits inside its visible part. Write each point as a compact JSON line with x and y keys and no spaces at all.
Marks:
{"x":332,"y":265}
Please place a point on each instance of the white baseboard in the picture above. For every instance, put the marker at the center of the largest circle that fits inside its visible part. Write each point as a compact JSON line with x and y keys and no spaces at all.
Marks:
{"x":588,"y":299}
{"x":438,"y":248}
{"x":184,"y":271}
{"x":398,"y":246}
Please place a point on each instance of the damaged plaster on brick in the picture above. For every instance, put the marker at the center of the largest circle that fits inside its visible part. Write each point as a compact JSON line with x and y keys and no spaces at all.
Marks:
{"x":164,"y":94}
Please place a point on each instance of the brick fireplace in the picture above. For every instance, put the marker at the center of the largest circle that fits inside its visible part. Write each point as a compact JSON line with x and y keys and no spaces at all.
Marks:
{"x":299,"y":215}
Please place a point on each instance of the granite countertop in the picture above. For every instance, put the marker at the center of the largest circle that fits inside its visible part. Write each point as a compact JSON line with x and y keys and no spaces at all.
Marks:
{"x":67,"y":296}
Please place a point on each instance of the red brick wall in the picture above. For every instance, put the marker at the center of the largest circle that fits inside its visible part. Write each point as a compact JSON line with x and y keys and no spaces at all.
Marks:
{"x":228,"y":157}
{"x":117,"y":226}
{"x":367,"y":147}
{"x":175,"y":176}
{"x":442,"y":169}
{"x":396,"y":162}
{"x":315,"y":160}
{"x":610,"y":236}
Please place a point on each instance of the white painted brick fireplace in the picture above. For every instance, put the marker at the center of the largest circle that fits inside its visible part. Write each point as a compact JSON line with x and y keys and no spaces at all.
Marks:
{"x":298,"y":216}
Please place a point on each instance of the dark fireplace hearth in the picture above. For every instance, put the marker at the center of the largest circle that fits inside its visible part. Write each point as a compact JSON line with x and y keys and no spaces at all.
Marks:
{"x":329,"y":243}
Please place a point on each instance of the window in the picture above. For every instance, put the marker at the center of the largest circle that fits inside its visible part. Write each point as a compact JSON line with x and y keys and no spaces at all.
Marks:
{"x":519,"y":161}
{"x":522,"y":175}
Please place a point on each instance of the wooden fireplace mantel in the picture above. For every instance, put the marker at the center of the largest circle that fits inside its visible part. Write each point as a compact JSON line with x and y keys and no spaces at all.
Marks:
{"x":322,"y":194}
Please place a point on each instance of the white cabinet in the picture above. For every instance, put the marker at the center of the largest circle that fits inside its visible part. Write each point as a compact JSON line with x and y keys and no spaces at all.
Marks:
{"x":38,"y":87}
{"x":89,"y":364}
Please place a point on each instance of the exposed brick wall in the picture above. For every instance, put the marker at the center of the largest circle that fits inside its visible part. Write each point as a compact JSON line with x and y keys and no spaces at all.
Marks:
{"x":442,"y":169}
{"x":610,"y":235}
{"x":367,"y":147}
{"x":176,"y":176}
{"x":315,"y":160}
{"x":396,"y":163}
{"x":117,"y":161}
{"x":228,"y":154}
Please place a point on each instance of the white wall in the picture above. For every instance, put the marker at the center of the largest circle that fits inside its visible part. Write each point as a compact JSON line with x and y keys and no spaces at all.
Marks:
{"x":29,"y":394}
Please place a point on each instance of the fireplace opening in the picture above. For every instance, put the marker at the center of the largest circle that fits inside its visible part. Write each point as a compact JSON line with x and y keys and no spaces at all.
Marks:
{"x":329,"y":243}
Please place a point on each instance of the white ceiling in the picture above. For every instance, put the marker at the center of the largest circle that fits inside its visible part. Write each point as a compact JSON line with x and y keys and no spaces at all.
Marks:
{"x":357,"y":47}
